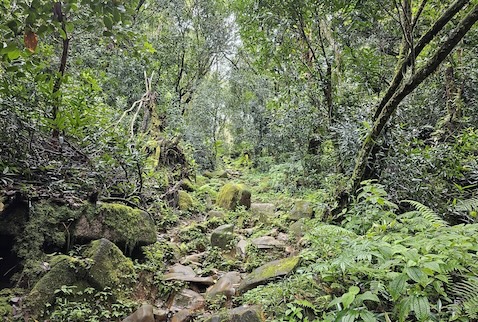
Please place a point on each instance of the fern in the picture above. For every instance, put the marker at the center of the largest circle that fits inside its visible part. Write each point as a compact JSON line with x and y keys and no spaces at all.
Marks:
{"x":466,"y":297}
{"x":431,"y":217}
{"x":332,"y":230}
{"x":468,"y":205}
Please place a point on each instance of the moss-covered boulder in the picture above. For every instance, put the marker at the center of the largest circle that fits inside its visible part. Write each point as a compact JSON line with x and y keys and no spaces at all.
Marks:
{"x":223,"y":237}
{"x":102,"y":265}
{"x":65,"y":270}
{"x":268,"y":272}
{"x":109,"y":268}
{"x":301,"y":209}
{"x":185,"y":201}
{"x":233,"y":195}
{"x":125,"y":226}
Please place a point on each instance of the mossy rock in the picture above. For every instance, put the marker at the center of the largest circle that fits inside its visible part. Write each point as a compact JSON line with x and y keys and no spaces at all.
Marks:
{"x":221,"y":174}
{"x":268,"y":272}
{"x":103,"y":265}
{"x":301,"y":209}
{"x":185,"y":201}
{"x":187,"y":185}
{"x":65,"y":270}
{"x":125,"y":226}
{"x":223,"y":237}
{"x":233,"y":195}
{"x":110,"y":267}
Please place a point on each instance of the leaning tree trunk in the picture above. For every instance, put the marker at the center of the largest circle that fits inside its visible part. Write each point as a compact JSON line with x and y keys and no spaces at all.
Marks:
{"x":390,"y":106}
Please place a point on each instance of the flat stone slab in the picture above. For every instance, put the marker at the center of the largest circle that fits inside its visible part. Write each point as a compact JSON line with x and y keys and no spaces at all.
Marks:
{"x":186,"y":274}
{"x":268,"y":272}
{"x":267,"y":242}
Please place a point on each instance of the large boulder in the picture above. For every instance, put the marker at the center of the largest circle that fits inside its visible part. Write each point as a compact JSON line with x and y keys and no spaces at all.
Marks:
{"x":104,"y":265}
{"x":110,"y":268}
{"x":232,"y":196}
{"x":125,"y":226}
{"x":268,"y":272}
{"x":63,"y":272}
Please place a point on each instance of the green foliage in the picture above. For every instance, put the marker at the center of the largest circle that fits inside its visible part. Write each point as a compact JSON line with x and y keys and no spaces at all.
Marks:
{"x":89,"y":305}
{"x":371,"y":207}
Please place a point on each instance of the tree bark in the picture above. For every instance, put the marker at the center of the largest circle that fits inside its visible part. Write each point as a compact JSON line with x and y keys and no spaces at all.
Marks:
{"x":422,"y":42}
{"x":391,"y":105}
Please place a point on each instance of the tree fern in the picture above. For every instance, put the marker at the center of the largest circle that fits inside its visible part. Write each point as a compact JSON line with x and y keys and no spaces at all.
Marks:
{"x":425,"y":212}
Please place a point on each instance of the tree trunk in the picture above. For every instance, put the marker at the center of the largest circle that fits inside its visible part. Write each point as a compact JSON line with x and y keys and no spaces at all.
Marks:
{"x":391,"y":105}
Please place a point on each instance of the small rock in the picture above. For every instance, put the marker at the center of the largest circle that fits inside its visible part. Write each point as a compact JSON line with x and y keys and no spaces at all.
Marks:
{"x":267,"y":272}
{"x":222,"y":236}
{"x":226,"y":285}
{"x":301,"y":209}
{"x":241,"y":248}
{"x":263,"y":210}
{"x":160,"y":314}
{"x":215,"y":214}
{"x":298,"y":228}
{"x":267,"y":242}
{"x":282,"y":237}
{"x":247,"y":314}
{"x":182,"y":316}
{"x":193,"y":259}
{"x":143,"y":314}
{"x":240,"y":314}
{"x":188,"y":299}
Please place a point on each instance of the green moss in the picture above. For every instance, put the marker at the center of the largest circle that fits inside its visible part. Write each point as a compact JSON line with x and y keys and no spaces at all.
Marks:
{"x":46,"y":226}
{"x":110,"y":267}
{"x":233,"y":195}
{"x":5,"y":307}
{"x":63,"y":272}
{"x":128,"y":224}
{"x":185,"y":201}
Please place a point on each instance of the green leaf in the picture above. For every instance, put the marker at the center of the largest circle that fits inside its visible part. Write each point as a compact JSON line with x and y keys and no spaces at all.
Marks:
{"x":367,"y":316}
{"x":416,"y":274}
{"x":398,"y":286}
{"x":69,"y":27}
{"x":108,"y":22}
{"x":421,"y":307}
{"x":354,"y":290}
{"x":368,"y":296}
{"x":14,"y":54}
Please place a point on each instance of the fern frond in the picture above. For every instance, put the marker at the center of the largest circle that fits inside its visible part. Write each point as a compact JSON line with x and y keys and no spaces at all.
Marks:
{"x":466,"y":296}
{"x":468,"y":205}
{"x":432,"y":217}
{"x":332,"y":230}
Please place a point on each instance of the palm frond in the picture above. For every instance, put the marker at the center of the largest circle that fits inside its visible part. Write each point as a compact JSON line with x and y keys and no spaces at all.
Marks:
{"x":427,"y":213}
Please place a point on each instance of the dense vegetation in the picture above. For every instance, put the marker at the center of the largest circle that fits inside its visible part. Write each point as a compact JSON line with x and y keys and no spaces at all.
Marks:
{"x":364,"y":110}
